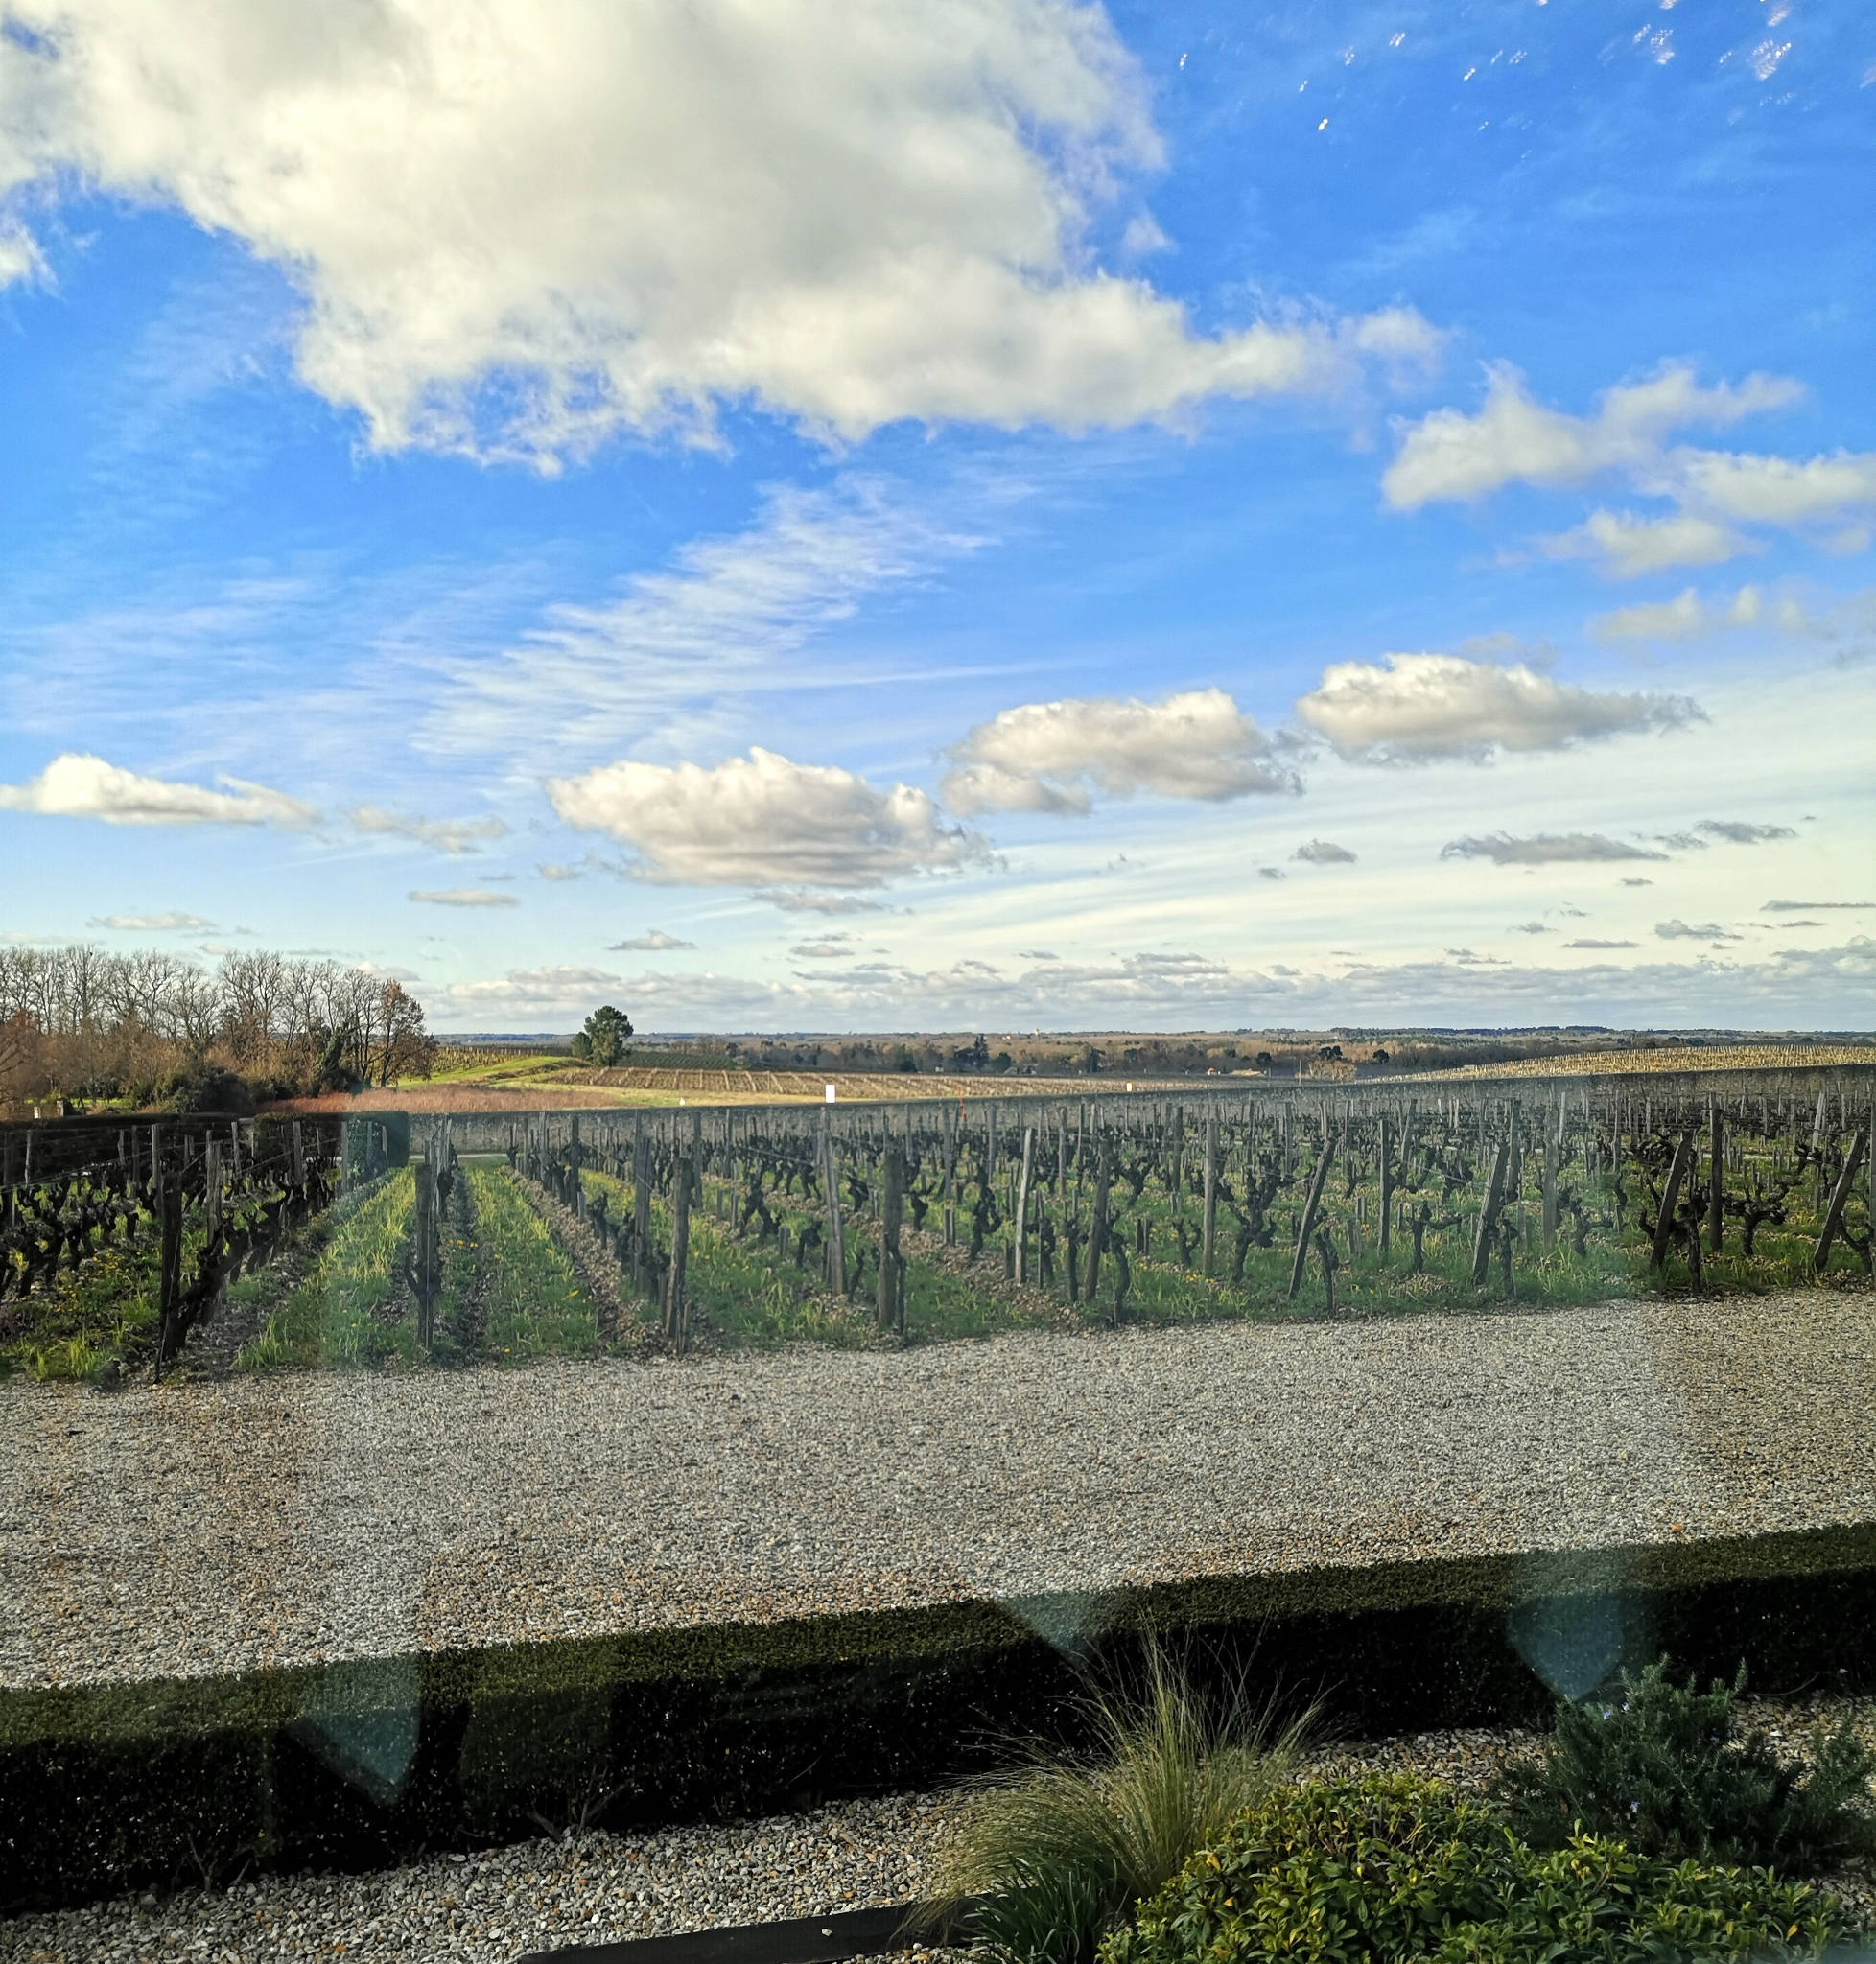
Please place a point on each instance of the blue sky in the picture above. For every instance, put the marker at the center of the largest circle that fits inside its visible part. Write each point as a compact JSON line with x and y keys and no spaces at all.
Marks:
{"x":975,"y":513}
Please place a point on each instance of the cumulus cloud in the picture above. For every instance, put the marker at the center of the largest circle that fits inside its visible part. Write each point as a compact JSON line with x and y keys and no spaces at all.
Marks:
{"x":1780,"y":491}
{"x":1324,"y":853}
{"x":153,"y":923}
{"x":1514,"y":440}
{"x":520,"y":230}
{"x":829,"y":948}
{"x":1418,"y":708}
{"x":1679,"y":930}
{"x":447,"y":834}
{"x":1629,"y":547}
{"x":1545,"y":849}
{"x":79,"y":785}
{"x":761,"y":821}
{"x":655,"y":943}
{"x":1055,"y":756}
{"x":463,"y":897}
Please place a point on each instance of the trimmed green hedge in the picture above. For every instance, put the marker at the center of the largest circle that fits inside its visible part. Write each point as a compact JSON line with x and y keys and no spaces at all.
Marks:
{"x":1399,"y":1869}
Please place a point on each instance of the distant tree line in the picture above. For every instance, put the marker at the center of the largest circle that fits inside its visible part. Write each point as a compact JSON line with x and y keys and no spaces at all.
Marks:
{"x":82,"y":1023}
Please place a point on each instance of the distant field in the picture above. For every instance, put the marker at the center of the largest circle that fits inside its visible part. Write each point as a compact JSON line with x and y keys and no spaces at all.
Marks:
{"x":1632,"y":1063}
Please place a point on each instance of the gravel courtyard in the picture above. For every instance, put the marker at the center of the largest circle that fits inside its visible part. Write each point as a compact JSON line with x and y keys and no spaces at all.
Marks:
{"x":208,"y":1527}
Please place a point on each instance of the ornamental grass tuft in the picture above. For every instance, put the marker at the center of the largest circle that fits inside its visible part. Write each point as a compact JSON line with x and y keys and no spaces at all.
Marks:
{"x":1058,"y":1848}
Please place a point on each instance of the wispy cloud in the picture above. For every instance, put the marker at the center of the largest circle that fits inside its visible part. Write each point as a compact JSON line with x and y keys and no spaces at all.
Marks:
{"x":464,"y":897}
{"x":154,"y":923}
{"x":456,"y":835}
{"x":1545,"y":849}
{"x":724,"y":618}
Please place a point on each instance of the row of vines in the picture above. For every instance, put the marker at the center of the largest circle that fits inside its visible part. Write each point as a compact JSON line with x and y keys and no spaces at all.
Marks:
{"x":512,"y":1238}
{"x":945,"y":1219}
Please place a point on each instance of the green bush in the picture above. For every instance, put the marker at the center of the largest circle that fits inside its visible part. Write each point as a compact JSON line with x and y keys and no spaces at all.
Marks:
{"x":1394,"y":1867}
{"x":1659,"y":1766}
{"x":1061,"y":1852}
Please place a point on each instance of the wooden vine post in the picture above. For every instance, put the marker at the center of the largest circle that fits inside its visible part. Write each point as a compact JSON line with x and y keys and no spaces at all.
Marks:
{"x":891,"y":1306}
{"x":424,"y":1264}
{"x":1838,"y":1199}
{"x":1022,"y":1202}
{"x":1210,"y":1228}
{"x":676,"y":1317}
{"x":1312,"y":1202}
{"x":1684,"y":1155}
{"x":1494,"y":1199}
{"x":837,"y":1249}
{"x":1098,"y":1228}
{"x":1387,"y":1181}
{"x":1550,"y":1195}
{"x":1716,"y":1178}
{"x":641,"y":1204}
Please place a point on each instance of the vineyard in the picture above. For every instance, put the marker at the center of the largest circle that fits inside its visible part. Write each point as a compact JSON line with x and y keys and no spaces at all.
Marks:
{"x":514,"y":1236}
{"x":117,"y":1241}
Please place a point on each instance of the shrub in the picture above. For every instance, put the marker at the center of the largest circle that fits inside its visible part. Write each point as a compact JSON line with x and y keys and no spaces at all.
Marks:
{"x":1063,"y":1850}
{"x":1393,"y":1867}
{"x":1659,"y":1766}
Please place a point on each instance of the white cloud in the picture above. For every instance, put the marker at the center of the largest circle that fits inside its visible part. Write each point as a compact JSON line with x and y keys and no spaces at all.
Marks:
{"x":1819,"y":907}
{"x":1629,"y":547}
{"x":1423,"y":707}
{"x":761,"y":821}
{"x":1739,"y":831}
{"x":829,"y":948}
{"x":552,"y":872}
{"x":153,"y":923}
{"x":1687,"y":616}
{"x":523,"y":226}
{"x":655,"y":943}
{"x":725,"y":615}
{"x":464,"y":897}
{"x":1324,"y":853}
{"x":1602,"y":945}
{"x":447,"y":834}
{"x":1179,"y":990}
{"x":1776,"y":490}
{"x":793,"y":901}
{"x":79,"y":785}
{"x":1514,"y":440}
{"x":1055,"y":756}
{"x":1679,"y":930}
{"x":1545,"y":849}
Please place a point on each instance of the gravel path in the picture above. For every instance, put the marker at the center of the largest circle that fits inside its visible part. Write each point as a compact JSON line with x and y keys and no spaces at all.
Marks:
{"x":203,"y":1526}
{"x":589,"y":1888}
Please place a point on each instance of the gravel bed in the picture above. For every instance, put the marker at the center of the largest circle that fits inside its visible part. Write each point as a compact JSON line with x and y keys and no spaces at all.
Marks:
{"x":197,"y":1528}
{"x":596,"y":1886}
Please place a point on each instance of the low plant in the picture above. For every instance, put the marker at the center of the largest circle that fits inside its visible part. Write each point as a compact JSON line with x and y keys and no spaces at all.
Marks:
{"x":1395,"y":1868}
{"x":1058,"y":1848}
{"x":1665,"y":1767}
